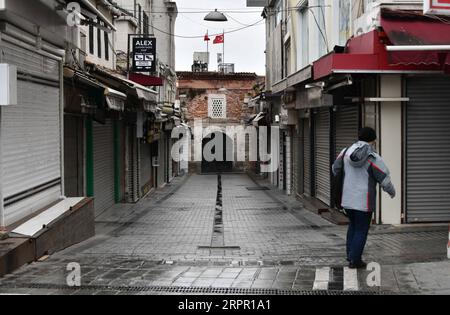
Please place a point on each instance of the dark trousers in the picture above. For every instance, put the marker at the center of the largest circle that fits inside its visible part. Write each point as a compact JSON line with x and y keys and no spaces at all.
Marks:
{"x":358,"y":231}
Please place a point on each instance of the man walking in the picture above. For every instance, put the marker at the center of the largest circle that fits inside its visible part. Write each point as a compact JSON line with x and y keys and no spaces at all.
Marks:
{"x":363,"y":169}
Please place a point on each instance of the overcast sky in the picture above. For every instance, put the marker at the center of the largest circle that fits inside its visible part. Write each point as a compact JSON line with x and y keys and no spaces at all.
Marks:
{"x":244,"y":48}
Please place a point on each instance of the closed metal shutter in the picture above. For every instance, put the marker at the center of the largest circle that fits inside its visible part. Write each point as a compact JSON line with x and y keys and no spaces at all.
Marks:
{"x":322,"y":155}
{"x":162,"y":164}
{"x":146,"y":167}
{"x":297,"y":172}
{"x":307,"y":157}
{"x":133,"y":167}
{"x":347,"y":127}
{"x":103,"y":136}
{"x":29,"y":61}
{"x":73,"y":156}
{"x":31,"y":151}
{"x":169,"y":157}
{"x":30,"y":133}
{"x":281,"y":168}
{"x":428,"y":150}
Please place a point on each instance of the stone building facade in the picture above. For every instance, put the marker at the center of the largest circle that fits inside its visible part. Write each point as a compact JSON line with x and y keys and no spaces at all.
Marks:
{"x":220,"y":100}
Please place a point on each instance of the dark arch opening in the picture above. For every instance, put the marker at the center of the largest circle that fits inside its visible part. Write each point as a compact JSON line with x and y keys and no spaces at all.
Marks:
{"x":223,"y":166}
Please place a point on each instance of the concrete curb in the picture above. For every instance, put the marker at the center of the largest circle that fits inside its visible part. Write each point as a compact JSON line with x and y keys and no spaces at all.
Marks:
{"x":72,"y":228}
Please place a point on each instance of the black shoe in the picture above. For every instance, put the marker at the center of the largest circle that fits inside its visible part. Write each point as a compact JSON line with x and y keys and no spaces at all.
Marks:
{"x":360,"y":265}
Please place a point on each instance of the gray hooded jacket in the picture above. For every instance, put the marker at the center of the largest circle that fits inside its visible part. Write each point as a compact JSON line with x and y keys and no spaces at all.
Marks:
{"x":364,"y":169}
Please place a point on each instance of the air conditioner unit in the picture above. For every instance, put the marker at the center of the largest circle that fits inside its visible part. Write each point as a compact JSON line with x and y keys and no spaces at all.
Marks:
{"x":8,"y":85}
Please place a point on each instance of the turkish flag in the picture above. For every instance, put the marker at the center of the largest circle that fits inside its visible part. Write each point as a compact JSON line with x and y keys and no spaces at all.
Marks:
{"x":220,"y":39}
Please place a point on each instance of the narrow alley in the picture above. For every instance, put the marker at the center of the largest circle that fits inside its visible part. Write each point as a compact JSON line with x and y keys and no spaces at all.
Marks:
{"x":262,"y":243}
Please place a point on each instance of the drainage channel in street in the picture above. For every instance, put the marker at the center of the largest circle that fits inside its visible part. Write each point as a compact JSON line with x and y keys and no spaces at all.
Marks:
{"x":92,"y":289}
{"x":218,"y":247}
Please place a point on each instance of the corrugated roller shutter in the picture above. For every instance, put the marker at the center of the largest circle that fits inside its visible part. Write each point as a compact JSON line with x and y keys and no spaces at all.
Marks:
{"x":162,"y":164}
{"x":307,"y":157}
{"x":30,"y":132}
{"x":296,"y":159}
{"x":322,"y":155}
{"x":29,"y":62}
{"x":103,"y":136}
{"x":347,"y":127}
{"x":169,"y":158}
{"x":73,"y":156}
{"x":133,"y":165}
{"x":146,"y":166}
{"x":428,"y":150}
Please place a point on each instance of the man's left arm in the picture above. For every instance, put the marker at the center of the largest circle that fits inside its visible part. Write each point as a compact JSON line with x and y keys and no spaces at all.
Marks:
{"x":382,"y":175}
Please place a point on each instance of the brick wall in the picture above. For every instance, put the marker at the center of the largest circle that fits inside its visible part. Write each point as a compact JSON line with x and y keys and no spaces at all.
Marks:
{"x":197,"y":86}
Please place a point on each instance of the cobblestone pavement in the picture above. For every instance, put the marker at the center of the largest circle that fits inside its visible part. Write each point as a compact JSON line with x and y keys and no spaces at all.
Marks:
{"x":198,"y":237}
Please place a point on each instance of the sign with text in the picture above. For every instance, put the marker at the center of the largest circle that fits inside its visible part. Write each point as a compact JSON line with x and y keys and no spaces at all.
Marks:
{"x":441,"y":7}
{"x":144,"y":54}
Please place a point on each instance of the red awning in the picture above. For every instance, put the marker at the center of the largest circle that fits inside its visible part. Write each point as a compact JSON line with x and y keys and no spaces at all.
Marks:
{"x":366,"y":54}
{"x":415,"y":29}
{"x":146,"y":80}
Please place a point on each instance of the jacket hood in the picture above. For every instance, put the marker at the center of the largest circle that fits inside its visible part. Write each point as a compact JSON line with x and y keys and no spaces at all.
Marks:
{"x":361,"y":154}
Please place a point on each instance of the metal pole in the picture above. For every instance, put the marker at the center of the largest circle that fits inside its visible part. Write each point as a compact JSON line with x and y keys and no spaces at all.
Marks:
{"x":223,"y":56}
{"x":128,"y":56}
{"x":207,"y":47}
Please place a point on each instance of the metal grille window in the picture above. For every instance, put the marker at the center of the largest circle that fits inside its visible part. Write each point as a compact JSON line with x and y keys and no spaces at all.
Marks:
{"x":217,"y":106}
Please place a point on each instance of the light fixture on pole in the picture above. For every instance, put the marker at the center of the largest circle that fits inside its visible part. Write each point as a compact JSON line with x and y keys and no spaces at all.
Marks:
{"x":216,"y":16}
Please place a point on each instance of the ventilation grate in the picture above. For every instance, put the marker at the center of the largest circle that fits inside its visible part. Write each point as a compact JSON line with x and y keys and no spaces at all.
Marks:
{"x":194,"y":290}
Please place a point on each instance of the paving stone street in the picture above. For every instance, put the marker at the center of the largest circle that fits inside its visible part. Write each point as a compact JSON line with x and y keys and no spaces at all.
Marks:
{"x":203,"y":234}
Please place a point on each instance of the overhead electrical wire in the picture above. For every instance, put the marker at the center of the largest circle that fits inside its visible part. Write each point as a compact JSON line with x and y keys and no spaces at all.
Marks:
{"x":234,"y":11}
{"x":217,"y":34}
{"x":235,"y":20}
{"x":244,"y":26}
{"x":198,"y":23}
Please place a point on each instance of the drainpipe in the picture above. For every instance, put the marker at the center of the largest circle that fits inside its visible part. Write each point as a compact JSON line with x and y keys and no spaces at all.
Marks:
{"x":61,"y":128}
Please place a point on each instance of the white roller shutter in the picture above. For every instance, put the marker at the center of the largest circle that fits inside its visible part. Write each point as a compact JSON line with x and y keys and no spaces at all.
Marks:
{"x":307,"y":158}
{"x":31,"y":151}
{"x":322,"y":155}
{"x":428,"y":150}
{"x":146,"y":167}
{"x":103,"y":138}
{"x":162,"y":162}
{"x":347,"y":127}
{"x":133,"y":165}
{"x":30,"y":132}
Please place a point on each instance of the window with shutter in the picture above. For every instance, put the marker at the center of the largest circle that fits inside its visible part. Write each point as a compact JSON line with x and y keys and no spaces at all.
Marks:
{"x":217,"y":106}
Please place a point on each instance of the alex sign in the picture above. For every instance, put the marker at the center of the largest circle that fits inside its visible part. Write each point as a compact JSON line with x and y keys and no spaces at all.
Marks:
{"x":144,"y":54}
{"x":441,"y":7}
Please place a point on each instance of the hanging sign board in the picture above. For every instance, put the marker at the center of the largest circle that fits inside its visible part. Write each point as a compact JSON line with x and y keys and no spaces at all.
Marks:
{"x":441,"y":7}
{"x":144,"y":54}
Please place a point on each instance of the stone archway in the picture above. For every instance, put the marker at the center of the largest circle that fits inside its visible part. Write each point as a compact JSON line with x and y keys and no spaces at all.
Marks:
{"x":220,"y":164}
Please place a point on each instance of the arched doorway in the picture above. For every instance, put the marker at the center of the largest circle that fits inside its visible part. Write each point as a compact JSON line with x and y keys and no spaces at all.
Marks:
{"x":217,"y":144}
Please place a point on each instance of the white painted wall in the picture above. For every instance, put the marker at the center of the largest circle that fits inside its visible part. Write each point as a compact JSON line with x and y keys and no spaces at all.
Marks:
{"x":94,"y":58}
{"x":391,"y":145}
{"x":124,"y":27}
